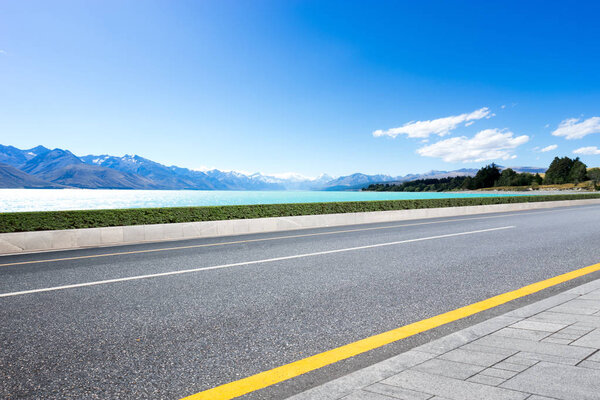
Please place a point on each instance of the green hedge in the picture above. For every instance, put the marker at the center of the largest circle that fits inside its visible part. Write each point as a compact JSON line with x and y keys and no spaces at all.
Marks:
{"x":56,"y":220}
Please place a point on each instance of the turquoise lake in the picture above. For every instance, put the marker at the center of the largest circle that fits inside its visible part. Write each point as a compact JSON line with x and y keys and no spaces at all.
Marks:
{"x":86,"y":199}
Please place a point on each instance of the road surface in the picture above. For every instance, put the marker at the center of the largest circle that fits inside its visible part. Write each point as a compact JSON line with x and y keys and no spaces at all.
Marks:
{"x":167,"y":320}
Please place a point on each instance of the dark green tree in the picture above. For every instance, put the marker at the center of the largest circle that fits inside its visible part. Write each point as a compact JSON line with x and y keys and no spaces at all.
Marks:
{"x":538,"y":179}
{"x":468,"y":184}
{"x":558,"y":171}
{"x":594,"y":175}
{"x":506,"y":177}
{"x":486,"y":176}
{"x":578,"y":171}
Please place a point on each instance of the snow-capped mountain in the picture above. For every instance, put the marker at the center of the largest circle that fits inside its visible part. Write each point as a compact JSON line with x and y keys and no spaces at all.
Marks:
{"x":42,"y":167}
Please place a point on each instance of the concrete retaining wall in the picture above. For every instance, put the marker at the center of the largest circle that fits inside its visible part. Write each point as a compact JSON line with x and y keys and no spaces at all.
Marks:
{"x":22,"y":242}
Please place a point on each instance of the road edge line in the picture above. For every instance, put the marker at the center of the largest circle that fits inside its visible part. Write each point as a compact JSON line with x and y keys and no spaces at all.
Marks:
{"x":288,"y":371}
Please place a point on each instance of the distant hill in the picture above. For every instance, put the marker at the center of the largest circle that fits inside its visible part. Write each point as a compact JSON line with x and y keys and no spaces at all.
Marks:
{"x":64,"y":168}
{"x":48,"y":163}
{"x":93,"y":177}
{"x":162,"y":176}
{"x":15,"y":157}
{"x":355,"y":181}
{"x":12,"y":178}
{"x":42,"y":167}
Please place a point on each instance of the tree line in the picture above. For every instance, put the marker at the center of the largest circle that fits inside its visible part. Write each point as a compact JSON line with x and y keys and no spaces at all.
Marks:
{"x":561,"y":170}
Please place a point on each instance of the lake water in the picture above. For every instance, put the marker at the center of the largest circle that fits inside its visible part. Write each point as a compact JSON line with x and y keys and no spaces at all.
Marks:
{"x":87,"y":199}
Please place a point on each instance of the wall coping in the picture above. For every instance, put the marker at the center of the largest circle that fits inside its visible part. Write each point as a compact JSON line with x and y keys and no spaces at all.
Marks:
{"x":40,"y":241}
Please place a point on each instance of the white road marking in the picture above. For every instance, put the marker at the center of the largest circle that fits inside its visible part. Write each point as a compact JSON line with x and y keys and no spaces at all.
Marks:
{"x":238,"y":264}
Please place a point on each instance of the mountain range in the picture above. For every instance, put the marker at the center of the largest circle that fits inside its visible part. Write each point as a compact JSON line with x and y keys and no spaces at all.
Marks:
{"x":41,"y":167}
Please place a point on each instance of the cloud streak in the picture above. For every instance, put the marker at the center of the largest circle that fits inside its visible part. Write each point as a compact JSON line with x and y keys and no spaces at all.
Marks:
{"x":549,"y":148}
{"x":574,"y":128}
{"x":489,"y":144}
{"x":589,"y":150}
{"x":440,"y":126}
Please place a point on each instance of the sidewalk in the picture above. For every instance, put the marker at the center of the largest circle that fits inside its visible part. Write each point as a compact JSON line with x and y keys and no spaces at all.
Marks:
{"x":546,"y":350}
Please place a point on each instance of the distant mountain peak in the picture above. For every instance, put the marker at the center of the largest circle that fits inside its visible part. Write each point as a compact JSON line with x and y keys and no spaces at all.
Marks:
{"x":131,"y":171}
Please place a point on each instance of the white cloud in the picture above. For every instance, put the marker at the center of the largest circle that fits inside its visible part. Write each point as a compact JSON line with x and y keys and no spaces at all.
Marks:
{"x":590,"y":150}
{"x":440,"y":126}
{"x":503,"y":106}
{"x":573,"y":129}
{"x":549,"y":148}
{"x":489,"y":144}
{"x":3,"y":52}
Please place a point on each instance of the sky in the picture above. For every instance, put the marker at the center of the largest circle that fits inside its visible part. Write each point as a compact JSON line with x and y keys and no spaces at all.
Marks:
{"x":309,"y":87}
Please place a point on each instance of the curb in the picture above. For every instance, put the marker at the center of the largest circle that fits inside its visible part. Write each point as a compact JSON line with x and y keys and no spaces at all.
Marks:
{"x":25,"y":242}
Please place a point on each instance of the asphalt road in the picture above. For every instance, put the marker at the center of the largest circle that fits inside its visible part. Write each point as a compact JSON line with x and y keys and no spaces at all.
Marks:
{"x":169,"y":336}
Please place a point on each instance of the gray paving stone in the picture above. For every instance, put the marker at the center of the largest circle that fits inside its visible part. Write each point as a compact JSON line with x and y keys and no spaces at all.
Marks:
{"x":473,"y":357}
{"x":543,"y":305}
{"x":589,"y":364}
{"x":450,"y":388}
{"x":509,"y":366}
{"x":489,"y":349}
{"x":447,"y":368}
{"x":595,"y":295}
{"x":535,"y":347}
{"x":347,"y":384}
{"x":550,"y":358}
{"x":578,"y":306}
{"x":592,"y":340}
{"x":498,"y":373}
{"x":585,"y":288}
{"x":565,"y":309}
{"x":558,"y":381}
{"x":467,"y":335}
{"x":364,"y":395}
{"x":576,"y":331}
{"x":539,"y":326}
{"x":516,"y":359}
{"x":405,"y":360}
{"x":536,"y":397}
{"x":594,"y":357}
{"x":486,"y":380}
{"x":492,"y":325}
{"x":447,"y":343}
{"x":589,"y":320}
{"x":584,"y":325}
{"x":557,"y":340}
{"x":526,"y":334}
{"x":568,"y":336}
{"x":397,"y":392}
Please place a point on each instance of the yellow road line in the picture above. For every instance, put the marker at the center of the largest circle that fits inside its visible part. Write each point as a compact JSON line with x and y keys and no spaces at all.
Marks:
{"x":294,"y":369}
{"x":262,"y":239}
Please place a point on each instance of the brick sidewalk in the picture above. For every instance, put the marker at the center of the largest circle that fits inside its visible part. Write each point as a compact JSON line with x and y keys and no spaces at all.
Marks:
{"x":546,"y":350}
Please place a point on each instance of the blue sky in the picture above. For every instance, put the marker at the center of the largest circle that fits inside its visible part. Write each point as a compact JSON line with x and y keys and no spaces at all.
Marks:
{"x":304,"y":86}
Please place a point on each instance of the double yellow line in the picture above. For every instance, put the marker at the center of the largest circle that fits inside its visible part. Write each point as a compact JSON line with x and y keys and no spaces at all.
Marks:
{"x":294,"y":369}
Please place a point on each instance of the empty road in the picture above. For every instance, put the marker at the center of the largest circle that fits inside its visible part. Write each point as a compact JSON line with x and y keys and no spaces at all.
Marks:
{"x":167,"y":320}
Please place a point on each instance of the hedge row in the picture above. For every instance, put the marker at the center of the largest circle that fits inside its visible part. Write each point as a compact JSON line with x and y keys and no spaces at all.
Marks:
{"x":56,"y":220}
